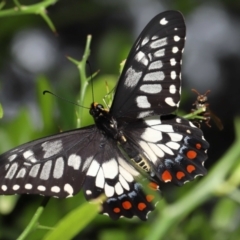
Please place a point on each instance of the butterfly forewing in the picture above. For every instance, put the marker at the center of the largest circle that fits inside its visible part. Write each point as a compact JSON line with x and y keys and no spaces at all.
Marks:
{"x":52,"y":166}
{"x":150,"y":81}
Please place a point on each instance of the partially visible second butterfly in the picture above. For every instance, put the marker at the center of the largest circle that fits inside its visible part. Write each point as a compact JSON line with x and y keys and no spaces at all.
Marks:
{"x":207,"y":114}
{"x":138,"y":138}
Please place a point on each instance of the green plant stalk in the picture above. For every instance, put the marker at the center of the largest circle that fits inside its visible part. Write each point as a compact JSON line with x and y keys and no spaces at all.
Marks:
{"x":84,"y":81}
{"x":33,"y":223}
{"x":171,"y":215}
{"x":31,"y":9}
{"x":38,"y":8}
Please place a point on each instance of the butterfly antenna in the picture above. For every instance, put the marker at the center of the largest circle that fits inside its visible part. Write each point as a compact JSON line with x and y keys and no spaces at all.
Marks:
{"x":46,"y":91}
{"x":89,"y":65}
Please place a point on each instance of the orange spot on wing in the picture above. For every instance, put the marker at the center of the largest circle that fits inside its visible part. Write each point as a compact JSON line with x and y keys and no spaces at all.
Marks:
{"x":191,"y":154}
{"x":198,"y":146}
{"x":116,"y":210}
{"x":149,"y":198}
{"x":141,"y":206}
{"x":126,"y":205}
{"x":153,"y":186}
{"x":166,"y":176}
{"x":180,"y":175}
{"x":190,"y":168}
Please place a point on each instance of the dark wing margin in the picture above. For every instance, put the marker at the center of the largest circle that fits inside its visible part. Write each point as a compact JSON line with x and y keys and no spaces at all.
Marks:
{"x":150,"y":81}
{"x":175,"y":148}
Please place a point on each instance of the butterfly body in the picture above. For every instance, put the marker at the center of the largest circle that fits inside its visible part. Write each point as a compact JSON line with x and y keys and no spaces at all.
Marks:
{"x":137,"y":140}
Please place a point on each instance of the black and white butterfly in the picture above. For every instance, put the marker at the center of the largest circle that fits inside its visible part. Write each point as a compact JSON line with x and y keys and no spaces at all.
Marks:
{"x":138,"y":138}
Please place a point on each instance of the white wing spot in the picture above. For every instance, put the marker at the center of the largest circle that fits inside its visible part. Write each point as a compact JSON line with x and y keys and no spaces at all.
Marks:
{"x":175,"y":49}
{"x":12,"y":157}
{"x":148,"y":151}
{"x":46,"y":169}
{"x":28,"y":186}
{"x":144,"y":114}
{"x":52,"y":148}
{"x":151,"y":88}
{"x":74,"y":161}
{"x":21,"y":173}
{"x":100,"y":180}
{"x":173,"y":61}
{"x":154,"y":76}
{"x":16,"y":187}
{"x":110,"y":169}
{"x":68,"y":188}
{"x":58,"y":168}
{"x":178,"y":120}
{"x":163,"y":21}
{"x":34,"y":170}
{"x":163,"y":128}
{"x":41,"y":188}
{"x":142,"y":102}
{"x":173,"y":75}
{"x":55,"y":189}
{"x":176,"y":137}
{"x":145,"y":40}
{"x":166,"y":149}
{"x":176,"y":38}
{"x":29,"y":155}
{"x":128,"y":167}
{"x":151,"y":135}
{"x":126,"y":175}
{"x":88,"y":192}
{"x":172,"y":89}
{"x":159,"y":43}
{"x":151,"y":121}
{"x":141,"y":58}
{"x":188,"y":131}
{"x":93,"y":169}
{"x":155,"y":65}
{"x":132,"y":77}
{"x":154,"y":37}
{"x":173,"y":145}
{"x":157,"y":150}
{"x":86,"y":163}
{"x":109,"y":190}
{"x":4,"y":188}
{"x":170,"y":102}
{"x":118,"y":189}
{"x":160,"y":53}
{"x":124,"y":183}
{"x":12,"y":170}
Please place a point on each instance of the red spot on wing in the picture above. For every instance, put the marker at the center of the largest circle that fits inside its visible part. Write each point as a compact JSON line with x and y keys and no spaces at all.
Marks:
{"x":190,"y":168}
{"x":198,"y":146}
{"x":141,"y":206}
{"x":180,"y":175}
{"x":166,"y":176}
{"x":149,"y":197}
{"x":191,"y":154}
{"x":153,"y":186}
{"x":116,"y":210}
{"x":126,"y":205}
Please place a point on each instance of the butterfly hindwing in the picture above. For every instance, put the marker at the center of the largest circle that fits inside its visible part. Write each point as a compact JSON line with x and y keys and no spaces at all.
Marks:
{"x":175,"y":148}
{"x":120,"y":182}
{"x":151,"y":77}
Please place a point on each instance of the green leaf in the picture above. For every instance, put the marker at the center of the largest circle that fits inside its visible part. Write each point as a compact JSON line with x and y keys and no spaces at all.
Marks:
{"x":1,"y":111}
{"x":74,"y":222}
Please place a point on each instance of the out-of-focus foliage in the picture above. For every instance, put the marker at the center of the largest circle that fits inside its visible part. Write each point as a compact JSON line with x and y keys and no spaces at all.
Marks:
{"x":207,"y":208}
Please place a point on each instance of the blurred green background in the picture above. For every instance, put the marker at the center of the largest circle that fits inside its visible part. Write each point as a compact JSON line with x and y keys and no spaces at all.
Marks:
{"x":33,"y":59}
